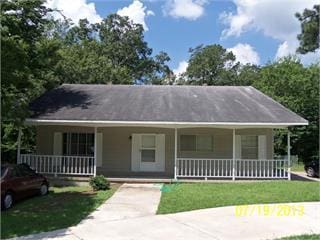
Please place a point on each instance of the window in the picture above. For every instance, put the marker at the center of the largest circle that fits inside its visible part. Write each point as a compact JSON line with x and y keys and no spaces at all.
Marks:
{"x":15,"y":172}
{"x":199,"y":143}
{"x":148,"y":141}
{"x":148,"y":148}
{"x":204,"y":143}
{"x":25,"y":170}
{"x":148,"y":155}
{"x":249,"y":147}
{"x":188,"y":143}
{"x":78,"y":144}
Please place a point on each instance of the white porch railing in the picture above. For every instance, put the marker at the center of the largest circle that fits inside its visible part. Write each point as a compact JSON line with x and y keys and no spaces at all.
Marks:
{"x":52,"y":164}
{"x":223,"y":168}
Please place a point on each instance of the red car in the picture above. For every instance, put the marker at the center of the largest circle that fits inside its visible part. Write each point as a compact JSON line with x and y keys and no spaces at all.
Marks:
{"x":20,"y":181}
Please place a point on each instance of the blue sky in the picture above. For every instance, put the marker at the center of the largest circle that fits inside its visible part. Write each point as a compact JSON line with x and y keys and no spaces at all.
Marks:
{"x":257,"y":31}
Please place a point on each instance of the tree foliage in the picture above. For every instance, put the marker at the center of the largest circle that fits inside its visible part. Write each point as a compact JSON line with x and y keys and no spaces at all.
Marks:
{"x":309,"y":36}
{"x":297,"y":88}
{"x":39,"y":53}
{"x":211,"y":65}
{"x":214,"y":65}
{"x":22,"y":72}
{"x":113,"y":51}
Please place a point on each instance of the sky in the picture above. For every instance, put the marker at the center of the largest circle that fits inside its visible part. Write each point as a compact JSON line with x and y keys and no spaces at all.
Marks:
{"x":256,"y":31}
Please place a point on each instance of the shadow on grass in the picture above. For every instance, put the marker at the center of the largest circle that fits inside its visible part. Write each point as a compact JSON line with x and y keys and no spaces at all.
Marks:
{"x":57,"y":210}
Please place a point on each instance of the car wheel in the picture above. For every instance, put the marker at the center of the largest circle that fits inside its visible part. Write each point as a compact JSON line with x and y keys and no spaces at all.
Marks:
{"x":310,"y":172}
{"x":44,"y":189}
{"x":7,"y":200}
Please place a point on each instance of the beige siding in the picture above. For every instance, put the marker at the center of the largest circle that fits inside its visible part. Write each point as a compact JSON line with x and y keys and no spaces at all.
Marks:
{"x":45,"y":134}
{"x":117,"y":149}
{"x":116,"y":155}
{"x":222,"y":141}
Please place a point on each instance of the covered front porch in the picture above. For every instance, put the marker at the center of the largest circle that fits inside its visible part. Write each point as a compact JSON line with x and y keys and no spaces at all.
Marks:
{"x":170,"y":152}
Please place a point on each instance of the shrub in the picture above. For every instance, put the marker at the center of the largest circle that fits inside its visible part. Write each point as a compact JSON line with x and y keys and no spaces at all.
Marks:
{"x":99,"y":183}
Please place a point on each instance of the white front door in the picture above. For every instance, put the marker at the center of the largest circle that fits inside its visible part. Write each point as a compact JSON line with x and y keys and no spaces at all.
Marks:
{"x":148,"y":152}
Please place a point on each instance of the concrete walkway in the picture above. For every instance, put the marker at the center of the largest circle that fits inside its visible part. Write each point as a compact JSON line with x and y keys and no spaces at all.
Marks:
{"x":129,"y":201}
{"x":302,"y":176}
{"x":130,"y":214}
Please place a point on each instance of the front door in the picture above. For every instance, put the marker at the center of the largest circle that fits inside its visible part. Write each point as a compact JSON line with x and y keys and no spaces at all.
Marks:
{"x":148,"y":152}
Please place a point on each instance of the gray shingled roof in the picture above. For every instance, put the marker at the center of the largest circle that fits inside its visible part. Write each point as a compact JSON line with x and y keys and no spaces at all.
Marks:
{"x":161,"y":103}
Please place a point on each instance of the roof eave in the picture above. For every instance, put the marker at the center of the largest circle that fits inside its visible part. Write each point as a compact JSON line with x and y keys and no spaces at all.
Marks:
{"x":163,"y":124}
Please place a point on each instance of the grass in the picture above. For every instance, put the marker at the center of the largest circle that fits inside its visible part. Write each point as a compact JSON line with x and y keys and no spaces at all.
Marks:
{"x":62,"y":207}
{"x":302,"y":237}
{"x":297,"y":167}
{"x":186,"y":197}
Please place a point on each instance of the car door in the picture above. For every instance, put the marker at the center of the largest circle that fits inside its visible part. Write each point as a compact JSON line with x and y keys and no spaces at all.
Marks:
{"x":18,"y":183}
{"x":31,"y":180}
{"x":35,"y":180}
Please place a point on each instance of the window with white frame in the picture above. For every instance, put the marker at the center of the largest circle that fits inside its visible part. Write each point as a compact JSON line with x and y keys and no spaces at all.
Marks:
{"x":78,"y":144}
{"x":198,"y":143}
{"x":148,"y":148}
{"x":249,"y":147}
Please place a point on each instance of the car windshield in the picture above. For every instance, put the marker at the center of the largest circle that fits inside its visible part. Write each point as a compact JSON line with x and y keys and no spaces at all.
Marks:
{"x":3,"y":170}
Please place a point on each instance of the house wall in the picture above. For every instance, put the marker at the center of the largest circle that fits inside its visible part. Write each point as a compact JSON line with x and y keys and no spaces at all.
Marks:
{"x":222,"y":141}
{"x":44,"y":136}
{"x":117,"y":150}
{"x":116,"y":155}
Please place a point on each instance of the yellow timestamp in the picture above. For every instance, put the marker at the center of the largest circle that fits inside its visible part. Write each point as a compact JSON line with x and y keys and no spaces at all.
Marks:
{"x":278,"y":210}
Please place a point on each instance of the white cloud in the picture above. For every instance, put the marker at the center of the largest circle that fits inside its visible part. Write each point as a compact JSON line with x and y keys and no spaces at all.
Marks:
{"x":136,"y":12}
{"x":274,"y":18}
{"x":75,"y":10}
{"x":310,"y":58}
{"x":245,"y":53}
{"x":289,"y":48}
{"x":182,"y":67}
{"x":189,"y":9}
{"x":286,"y":48}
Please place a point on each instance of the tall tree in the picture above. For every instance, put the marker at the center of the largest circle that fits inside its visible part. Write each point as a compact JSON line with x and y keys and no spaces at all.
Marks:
{"x":309,"y":36}
{"x":247,"y":75}
{"x":23,"y":69}
{"x":296,"y":87}
{"x":113,"y":51}
{"x":211,"y":65}
{"x":39,"y":53}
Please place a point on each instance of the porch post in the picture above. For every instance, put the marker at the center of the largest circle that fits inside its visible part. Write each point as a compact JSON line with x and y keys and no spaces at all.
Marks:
{"x":95,"y":151}
{"x":233,"y":154}
{"x":19,"y":145}
{"x":289,"y":160}
{"x":175,"y":153}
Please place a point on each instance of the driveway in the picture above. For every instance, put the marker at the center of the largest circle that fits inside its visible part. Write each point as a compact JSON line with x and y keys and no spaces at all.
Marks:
{"x":130,"y":214}
{"x":302,"y":176}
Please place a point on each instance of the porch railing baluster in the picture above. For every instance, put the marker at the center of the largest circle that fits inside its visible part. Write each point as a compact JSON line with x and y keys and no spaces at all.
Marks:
{"x":55,"y":164}
{"x":186,"y":167}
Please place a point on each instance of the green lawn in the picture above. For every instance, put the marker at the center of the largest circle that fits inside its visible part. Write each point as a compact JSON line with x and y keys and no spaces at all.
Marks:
{"x":186,"y":197}
{"x":61,"y":208}
{"x":302,"y":237}
{"x":297,"y":167}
